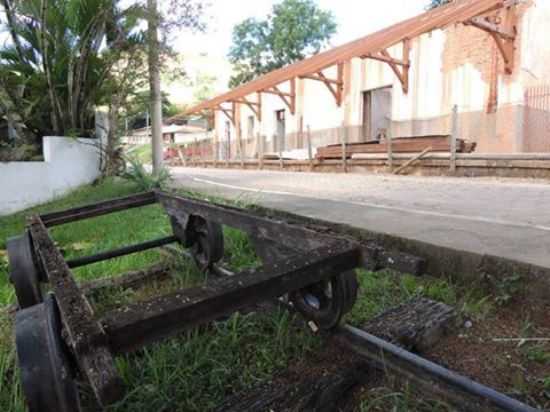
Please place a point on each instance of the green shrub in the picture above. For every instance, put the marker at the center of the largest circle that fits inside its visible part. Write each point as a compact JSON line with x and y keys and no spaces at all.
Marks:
{"x":146,"y":180}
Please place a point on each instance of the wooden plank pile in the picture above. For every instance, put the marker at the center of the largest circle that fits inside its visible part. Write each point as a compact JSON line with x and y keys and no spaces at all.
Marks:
{"x":399,"y":145}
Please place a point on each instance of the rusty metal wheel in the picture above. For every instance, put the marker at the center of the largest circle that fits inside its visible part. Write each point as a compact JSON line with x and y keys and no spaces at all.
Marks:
{"x":25,"y":273}
{"x":208,"y":245}
{"x":46,"y":372}
{"x":326,"y":302}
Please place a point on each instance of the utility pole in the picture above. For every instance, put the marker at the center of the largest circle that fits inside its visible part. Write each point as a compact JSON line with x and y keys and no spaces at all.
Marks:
{"x":154,"y":81}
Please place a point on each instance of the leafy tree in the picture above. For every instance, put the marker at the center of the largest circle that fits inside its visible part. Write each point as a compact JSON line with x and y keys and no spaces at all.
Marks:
{"x":53,"y":69}
{"x":294,"y":30}
{"x":66,"y":57}
{"x":436,"y":3}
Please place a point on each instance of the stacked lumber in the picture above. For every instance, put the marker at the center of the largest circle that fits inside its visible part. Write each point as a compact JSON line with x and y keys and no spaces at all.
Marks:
{"x":399,"y":145}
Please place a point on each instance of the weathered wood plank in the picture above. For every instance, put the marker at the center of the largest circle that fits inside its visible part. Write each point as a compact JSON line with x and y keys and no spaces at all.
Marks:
{"x":415,"y":325}
{"x":132,"y":326}
{"x":296,"y":237}
{"x":83,"y":334}
{"x":326,"y":393}
{"x":98,"y":209}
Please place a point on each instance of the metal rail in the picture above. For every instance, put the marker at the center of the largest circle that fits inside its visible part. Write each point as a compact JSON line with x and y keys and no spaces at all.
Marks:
{"x":124,"y":251}
{"x":457,"y":389}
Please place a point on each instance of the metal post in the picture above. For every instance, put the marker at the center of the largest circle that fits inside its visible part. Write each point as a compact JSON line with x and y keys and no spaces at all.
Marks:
{"x":389,"y":144}
{"x":309,"y":149}
{"x":454,"y":135}
{"x":344,"y":149}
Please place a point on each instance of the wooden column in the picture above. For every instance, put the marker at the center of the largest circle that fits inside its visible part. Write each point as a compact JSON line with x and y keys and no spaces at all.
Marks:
{"x":240,"y":144}
{"x":454,"y":136}
{"x":309,"y":149}
{"x":344,"y":148}
{"x":390,"y":151}
{"x":195,"y":148}
{"x":215,"y":148}
{"x":281,"y":161}
{"x":261,"y":151}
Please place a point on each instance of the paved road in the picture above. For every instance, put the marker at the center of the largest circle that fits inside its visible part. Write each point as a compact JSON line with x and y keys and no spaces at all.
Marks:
{"x":498,"y":217}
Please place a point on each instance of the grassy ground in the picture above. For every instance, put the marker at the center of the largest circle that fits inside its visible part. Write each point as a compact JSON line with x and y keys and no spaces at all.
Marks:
{"x":195,"y":371}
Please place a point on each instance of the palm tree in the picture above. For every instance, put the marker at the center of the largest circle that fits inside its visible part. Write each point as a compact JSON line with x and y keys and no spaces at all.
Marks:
{"x":59,"y":58}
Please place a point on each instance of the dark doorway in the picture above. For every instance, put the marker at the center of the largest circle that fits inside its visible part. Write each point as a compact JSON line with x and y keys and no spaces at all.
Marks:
{"x":279,"y":142}
{"x":377,"y":108}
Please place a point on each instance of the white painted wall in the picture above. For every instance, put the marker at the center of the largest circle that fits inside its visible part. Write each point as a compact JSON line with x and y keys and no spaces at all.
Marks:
{"x":68,"y":163}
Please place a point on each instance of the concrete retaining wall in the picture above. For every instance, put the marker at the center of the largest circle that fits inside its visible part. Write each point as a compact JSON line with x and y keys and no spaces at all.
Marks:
{"x":68,"y":163}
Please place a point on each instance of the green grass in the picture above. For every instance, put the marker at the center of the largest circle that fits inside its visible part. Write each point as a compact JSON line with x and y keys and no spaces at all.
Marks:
{"x":383,"y":290}
{"x":385,"y":398}
{"x":143,"y":153}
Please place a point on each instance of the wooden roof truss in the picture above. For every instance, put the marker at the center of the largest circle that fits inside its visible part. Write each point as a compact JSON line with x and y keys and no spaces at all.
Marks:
{"x":335,"y":86}
{"x":229,"y":113}
{"x":288,"y":98}
{"x":477,"y":13}
{"x":256,"y":106}
{"x":503,"y":30}
{"x":400,"y":67}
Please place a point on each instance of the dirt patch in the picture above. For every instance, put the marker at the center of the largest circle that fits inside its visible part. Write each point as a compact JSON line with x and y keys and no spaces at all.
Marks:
{"x":492,"y":351}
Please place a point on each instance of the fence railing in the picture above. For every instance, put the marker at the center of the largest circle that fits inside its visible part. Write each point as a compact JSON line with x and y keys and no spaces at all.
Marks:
{"x":537,"y":119}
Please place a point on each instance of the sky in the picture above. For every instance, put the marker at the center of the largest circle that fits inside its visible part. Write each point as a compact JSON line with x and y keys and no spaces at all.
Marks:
{"x":355,"y":18}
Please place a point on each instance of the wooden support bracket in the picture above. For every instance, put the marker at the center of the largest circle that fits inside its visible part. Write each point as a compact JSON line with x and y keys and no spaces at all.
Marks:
{"x":256,"y":107}
{"x":335,"y":86}
{"x":504,"y":33}
{"x":288,"y":98}
{"x":229,"y":113}
{"x":399,"y":67}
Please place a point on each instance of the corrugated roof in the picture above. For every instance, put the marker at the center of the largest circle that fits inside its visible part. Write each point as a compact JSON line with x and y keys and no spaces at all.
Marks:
{"x":456,"y":12}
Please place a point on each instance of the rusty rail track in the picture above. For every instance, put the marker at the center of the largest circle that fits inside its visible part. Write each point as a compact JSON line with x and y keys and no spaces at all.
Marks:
{"x":460,"y":391}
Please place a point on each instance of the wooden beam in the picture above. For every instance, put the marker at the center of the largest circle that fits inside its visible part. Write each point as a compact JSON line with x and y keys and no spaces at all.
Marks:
{"x":275,"y":92}
{"x":489,"y":27}
{"x":335,"y":86}
{"x":319,"y":77}
{"x":507,"y":51}
{"x":340,"y":86}
{"x":407,"y":66}
{"x":229,"y":113}
{"x":376,"y":56}
{"x":293,"y":94}
{"x":288,"y":98}
{"x":259,"y":115}
{"x":504,"y":35}
{"x":412,"y":160}
{"x":256,"y":107}
{"x":245,"y":101}
{"x":399,"y":67}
